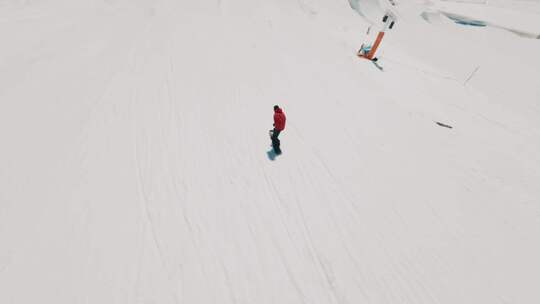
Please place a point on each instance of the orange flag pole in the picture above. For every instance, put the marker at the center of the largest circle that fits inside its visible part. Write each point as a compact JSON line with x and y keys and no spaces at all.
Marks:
{"x":371,"y":53}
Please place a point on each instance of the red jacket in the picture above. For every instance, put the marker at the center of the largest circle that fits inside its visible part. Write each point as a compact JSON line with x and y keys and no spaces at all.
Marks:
{"x":279,"y":119}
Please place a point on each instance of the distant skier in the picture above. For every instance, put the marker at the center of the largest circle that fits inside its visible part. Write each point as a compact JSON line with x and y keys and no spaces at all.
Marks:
{"x":279,"y":125}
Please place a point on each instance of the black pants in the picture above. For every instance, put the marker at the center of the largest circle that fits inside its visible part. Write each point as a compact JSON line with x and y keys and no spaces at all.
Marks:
{"x":275,"y":140}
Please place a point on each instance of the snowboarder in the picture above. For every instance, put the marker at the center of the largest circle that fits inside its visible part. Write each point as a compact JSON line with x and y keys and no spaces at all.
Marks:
{"x":279,"y":125}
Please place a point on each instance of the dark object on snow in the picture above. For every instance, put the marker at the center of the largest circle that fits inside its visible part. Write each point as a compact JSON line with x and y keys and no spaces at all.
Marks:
{"x":375,"y":62}
{"x":385,"y":18}
{"x":470,"y":22}
{"x":391,"y":25}
{"x":443,"y":125}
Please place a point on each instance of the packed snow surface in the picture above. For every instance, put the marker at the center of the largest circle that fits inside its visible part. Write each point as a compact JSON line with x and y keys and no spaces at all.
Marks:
{"x":134,"y":163}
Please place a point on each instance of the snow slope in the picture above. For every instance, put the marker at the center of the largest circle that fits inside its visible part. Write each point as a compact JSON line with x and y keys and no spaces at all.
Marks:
{"x":134,"y":163}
